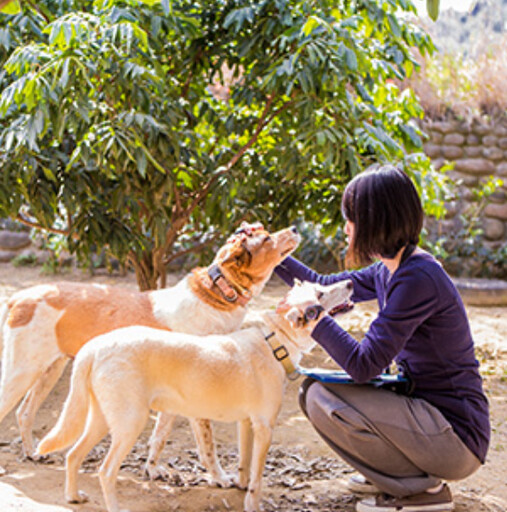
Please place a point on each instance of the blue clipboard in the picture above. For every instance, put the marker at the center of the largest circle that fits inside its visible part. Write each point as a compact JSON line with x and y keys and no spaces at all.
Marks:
{"x":341,"y":377}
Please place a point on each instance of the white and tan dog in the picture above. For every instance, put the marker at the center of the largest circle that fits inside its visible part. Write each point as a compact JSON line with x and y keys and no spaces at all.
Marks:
{"x":45,"y":325}
{"x":232,"y":377}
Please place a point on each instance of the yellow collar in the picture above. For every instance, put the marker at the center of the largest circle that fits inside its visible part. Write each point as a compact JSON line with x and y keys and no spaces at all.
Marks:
{"x":281,"y":354}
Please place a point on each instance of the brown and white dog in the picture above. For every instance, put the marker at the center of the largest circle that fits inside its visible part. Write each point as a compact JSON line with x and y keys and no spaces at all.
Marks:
{"x":45,"y":325}
{"x":231,"y":377}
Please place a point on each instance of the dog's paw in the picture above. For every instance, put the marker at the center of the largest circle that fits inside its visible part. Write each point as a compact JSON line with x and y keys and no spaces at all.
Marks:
{"x":153,"y":472}
{"x":224,"y":480}
{"x":241,"y":482}
{"x":81,"y":497}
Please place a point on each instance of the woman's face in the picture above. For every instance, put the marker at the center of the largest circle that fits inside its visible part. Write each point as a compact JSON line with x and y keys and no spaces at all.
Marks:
{"x":349,"y":231}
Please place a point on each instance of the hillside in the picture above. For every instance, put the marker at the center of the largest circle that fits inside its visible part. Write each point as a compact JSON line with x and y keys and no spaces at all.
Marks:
{"x":469,"y":33}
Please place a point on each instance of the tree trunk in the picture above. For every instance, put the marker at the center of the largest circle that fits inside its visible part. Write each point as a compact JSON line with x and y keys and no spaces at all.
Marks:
{"x":148,"y":274}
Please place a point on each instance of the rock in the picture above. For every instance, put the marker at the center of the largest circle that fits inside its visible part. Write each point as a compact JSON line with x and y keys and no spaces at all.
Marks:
{"x":489,"y":140}
{"x":500,"y":130}
{"x":465,"y":179}
{"x":501,"y":169}
{"x":14,"y":240}
{"x":499,"y":196}
{"x":436,"y":137}
{"x":452,"y":152}
{"x":502,"y":143}
{"x":475,"y":166}
{"x":497,"y":211}
{"x":473,"y":151}
{"x":492,"y":153}
{"x":482,"y":292}
{"x":39,"y":256}
{"x":454,"y":139}
{"x":482,"y":129}
{"x":6,"y":256}
{"x":443,"y":127}
{"x":494,"y":229}
{"x":432,"y":150}
{"x":473,"y":140}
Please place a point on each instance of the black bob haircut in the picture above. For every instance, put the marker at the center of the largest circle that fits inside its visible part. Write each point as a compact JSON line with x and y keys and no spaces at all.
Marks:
{"x":385,"y":208}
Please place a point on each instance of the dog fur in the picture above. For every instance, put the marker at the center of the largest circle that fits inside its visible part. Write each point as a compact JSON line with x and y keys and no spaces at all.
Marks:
{"x":233,"y":377}
{"x":43,"y":326}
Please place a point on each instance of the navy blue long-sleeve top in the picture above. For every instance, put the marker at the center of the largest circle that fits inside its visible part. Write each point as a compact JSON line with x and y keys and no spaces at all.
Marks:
{"x":422,"y":325}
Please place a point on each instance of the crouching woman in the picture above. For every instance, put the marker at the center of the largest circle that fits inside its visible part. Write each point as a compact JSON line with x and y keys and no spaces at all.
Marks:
{"x":404,"y":447}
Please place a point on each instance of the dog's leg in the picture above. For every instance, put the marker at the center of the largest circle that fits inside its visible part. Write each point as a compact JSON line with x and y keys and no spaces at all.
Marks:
{"x":125,"y":428}
{"x":203,"y":434}
{"x":245,"y":438}
{"x":30,"y":405}
{"x":95,"y":430}
{"x":262,"y":433}
{"x":158,"y":438}
{"x":15,"y":383}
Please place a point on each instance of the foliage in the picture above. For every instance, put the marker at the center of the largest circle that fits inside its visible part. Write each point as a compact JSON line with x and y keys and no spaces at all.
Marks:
{"x":152,"y":128}
{"x":25,"y":260}
{"x":464,"y":86}
{"x":463,"y":251}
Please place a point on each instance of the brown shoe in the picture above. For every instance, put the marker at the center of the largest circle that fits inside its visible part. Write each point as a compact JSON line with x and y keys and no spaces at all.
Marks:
{"x":423,"y":502}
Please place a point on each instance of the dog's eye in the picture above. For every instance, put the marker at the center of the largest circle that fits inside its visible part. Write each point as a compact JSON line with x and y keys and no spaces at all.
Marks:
{"x":267,"y":239}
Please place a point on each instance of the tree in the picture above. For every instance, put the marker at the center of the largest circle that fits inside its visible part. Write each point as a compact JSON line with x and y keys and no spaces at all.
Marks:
{"x":152,"y":127}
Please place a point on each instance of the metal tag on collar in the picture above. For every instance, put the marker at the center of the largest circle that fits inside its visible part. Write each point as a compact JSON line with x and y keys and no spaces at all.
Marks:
{"x":229,"y":293}
{"x":214,"y":273}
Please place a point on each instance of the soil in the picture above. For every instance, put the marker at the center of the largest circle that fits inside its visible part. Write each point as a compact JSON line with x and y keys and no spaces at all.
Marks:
{"x":301,"y":474}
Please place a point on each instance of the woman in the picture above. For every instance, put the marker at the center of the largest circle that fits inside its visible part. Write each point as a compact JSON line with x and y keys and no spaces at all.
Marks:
{"x":404,"y":447}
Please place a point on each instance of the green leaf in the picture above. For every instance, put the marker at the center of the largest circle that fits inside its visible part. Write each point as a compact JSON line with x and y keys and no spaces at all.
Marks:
{"x":351,"y":59}
{"x":12,"y":8}
{"x":310,"y":24}
{"x":433,"y":7}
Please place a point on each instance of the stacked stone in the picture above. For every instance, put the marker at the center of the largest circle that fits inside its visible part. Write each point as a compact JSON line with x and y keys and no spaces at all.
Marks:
{"x":478,"y":150}
{"x":14,"y":239}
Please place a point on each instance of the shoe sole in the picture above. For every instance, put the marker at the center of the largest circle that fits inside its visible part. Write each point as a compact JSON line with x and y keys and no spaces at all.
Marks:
{"x":362,"y":488}
{"x":364,"y":507}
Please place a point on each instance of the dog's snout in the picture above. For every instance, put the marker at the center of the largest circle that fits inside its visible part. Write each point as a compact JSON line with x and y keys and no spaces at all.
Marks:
{"x":294,"y":229}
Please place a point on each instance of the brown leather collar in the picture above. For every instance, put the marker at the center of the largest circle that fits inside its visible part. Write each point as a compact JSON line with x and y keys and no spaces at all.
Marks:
{"x":229,"y":292}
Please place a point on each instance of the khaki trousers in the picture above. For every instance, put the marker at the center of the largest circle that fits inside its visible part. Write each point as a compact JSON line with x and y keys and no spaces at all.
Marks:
{"x":403,"y":445}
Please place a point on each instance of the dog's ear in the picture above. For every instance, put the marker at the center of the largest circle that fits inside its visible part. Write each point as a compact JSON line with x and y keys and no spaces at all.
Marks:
{"x":235,"y":255}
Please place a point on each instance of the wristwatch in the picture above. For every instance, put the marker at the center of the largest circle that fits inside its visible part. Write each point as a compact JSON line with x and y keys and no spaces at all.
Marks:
{"x":313,"y":312}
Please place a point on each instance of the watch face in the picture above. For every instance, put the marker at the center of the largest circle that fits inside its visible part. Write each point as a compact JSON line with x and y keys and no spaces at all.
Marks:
{"x":313,"y":312}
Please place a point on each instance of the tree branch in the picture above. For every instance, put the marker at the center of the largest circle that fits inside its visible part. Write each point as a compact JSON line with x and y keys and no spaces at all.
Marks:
{"x":263,"y":121}
{"x":36,"y":225}
{"x":193,"y":248}
{"x":33,"y":6}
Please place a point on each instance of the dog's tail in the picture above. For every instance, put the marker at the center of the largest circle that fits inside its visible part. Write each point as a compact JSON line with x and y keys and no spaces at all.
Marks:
{"x":72,"y":420}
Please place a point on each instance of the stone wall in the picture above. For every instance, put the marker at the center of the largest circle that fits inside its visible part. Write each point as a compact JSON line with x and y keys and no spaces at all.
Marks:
{"x":14,"y":240}
{"x":478,"y":150}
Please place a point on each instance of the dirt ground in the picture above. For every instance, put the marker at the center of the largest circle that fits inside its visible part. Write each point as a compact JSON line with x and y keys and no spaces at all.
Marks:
{"x":301,"y":473}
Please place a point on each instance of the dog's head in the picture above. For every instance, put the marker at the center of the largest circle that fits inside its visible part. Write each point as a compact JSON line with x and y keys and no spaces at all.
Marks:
{"x":298,"y":306}
{"x":253,"y":252}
